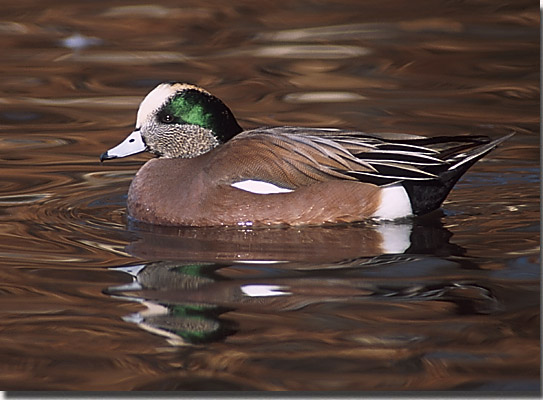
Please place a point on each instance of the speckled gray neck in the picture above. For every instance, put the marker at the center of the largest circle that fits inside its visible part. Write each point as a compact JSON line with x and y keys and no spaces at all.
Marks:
{"x":184,"y":141}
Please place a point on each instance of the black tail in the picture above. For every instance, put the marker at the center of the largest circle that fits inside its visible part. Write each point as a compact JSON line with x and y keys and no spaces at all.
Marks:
{"x":427,"y":195}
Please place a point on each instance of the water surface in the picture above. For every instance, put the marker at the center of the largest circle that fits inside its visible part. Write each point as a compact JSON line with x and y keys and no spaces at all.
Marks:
{"x":90,"y":300}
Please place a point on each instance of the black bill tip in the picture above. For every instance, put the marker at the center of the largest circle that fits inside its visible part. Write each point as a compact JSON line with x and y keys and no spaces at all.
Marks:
{"x":105,"y":156}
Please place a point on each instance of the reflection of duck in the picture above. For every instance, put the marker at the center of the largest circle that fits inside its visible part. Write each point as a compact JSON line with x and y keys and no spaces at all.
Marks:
{"x":199,"y":303}
{"x":182,"y":320}
{"x":321,"y":244}
{"x":211,"y":173}
{"x":311,"y":244}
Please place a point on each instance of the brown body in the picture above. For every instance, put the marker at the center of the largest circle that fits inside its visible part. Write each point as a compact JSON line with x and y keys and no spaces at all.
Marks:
{"x":281,"y":175}
{"x":196,"y":191}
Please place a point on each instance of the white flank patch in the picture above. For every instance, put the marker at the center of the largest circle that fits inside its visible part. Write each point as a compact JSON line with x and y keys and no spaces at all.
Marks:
{"x":395,"y":203}
{"x":396,"y":237}
{"x":153,"y":101}
{"x":263,"y":290}
{"x":260,"y":187}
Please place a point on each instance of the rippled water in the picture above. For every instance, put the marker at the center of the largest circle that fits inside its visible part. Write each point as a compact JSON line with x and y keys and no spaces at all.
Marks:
{"x":92,"y":301}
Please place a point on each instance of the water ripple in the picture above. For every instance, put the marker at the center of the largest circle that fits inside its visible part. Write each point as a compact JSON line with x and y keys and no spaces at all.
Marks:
{"x":322,"y":97}
{"x":68,"y":227}
{"x":311,"y":51}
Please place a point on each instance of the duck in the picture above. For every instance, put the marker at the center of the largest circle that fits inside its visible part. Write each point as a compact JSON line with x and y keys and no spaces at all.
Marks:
{"x":208,"y":171}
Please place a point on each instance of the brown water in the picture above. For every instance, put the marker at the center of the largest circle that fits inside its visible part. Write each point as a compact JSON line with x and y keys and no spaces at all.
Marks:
{"x":90,"y":301}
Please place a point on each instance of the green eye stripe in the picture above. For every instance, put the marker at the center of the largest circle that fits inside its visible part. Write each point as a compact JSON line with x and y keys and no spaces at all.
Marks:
{"x":191,"y":109}
{"x":195,"y":107}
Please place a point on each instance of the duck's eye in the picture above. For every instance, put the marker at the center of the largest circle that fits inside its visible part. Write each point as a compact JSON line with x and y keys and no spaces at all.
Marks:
{"x":167,"y":118}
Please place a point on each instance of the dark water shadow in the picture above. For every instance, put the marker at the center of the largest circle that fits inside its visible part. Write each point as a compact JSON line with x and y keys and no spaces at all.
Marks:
{"x":194,"y":276}
{"x":320,"y":244}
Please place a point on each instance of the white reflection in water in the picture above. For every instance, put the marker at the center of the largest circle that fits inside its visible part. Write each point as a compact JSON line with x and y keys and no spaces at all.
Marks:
{"x":322,"y":97}
{"x":314,"y":51}
{"x":78,"y":41}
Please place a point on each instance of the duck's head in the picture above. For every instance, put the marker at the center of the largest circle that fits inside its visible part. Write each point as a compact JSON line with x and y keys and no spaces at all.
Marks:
{"x":178,"y":120}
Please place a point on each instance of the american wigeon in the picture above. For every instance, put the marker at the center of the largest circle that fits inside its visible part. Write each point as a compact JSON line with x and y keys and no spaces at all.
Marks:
{"x":209,"y":171}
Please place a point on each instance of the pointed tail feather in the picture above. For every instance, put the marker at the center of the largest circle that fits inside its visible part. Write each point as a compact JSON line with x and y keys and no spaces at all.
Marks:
{"x":475,"y":154}
{"x":427,"y":196}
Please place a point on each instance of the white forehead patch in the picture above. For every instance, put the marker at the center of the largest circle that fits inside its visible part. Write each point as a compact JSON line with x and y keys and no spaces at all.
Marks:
{"x":158,"y":96}
{"x":153,"y":101}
